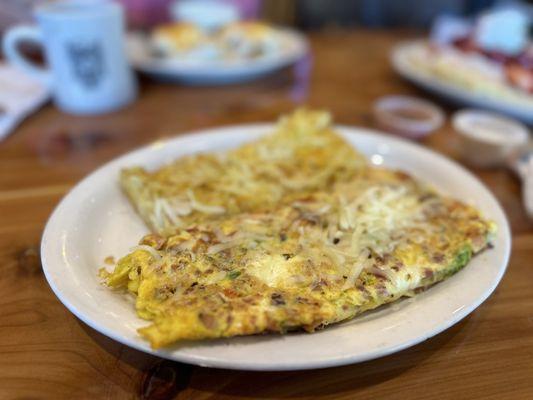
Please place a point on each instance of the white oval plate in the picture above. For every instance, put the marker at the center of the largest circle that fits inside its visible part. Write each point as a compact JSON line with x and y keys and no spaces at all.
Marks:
{"x":293,"y":47}
{"x":95,"y":220}
{"x":400,"y":58}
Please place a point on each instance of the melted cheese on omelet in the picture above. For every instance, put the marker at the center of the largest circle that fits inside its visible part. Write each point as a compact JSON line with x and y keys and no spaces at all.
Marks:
{"x":320,"y":249}
{"x":303,"y":155}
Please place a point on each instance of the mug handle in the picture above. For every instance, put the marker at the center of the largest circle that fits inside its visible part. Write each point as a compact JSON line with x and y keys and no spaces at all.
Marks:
{"x":10,"y":46}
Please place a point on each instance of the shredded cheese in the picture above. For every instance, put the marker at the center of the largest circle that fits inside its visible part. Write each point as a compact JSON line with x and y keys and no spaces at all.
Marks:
{"x":204,"y":208}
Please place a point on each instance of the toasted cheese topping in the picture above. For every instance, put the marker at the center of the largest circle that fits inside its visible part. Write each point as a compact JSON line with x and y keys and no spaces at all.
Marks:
{"x":302,"y":156}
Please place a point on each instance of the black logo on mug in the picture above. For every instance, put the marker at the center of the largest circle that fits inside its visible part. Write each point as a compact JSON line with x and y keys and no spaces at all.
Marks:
{"x":87,"y":62}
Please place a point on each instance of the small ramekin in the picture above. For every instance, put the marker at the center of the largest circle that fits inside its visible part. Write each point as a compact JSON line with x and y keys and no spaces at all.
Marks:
{"x":487,"y":138}
{"x":408,"y":116}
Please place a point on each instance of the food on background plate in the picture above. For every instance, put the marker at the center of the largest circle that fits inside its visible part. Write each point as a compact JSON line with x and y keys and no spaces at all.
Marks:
{"x":474,"y":72}
{"x":235,"y":41}
{"x":179,"y":39}
{"x":492,"y":56}
{"x":250,"y":39}
{"x":293,"y":231}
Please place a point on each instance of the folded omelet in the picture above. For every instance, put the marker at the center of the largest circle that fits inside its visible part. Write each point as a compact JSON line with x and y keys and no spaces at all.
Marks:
{"x":316,"y":238}
{"x":303,"y":155}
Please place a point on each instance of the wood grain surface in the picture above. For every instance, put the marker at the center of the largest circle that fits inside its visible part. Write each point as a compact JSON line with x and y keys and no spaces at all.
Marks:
{"x":46,"y":353}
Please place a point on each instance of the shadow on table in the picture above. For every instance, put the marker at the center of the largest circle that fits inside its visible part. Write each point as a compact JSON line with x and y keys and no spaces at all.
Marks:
{"x":162,"y":379}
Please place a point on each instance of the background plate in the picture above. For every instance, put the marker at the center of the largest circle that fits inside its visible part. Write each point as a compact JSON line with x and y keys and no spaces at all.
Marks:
{"x":140,"y":53}
{"x":95,"y":220}
{"x":452,"y":92}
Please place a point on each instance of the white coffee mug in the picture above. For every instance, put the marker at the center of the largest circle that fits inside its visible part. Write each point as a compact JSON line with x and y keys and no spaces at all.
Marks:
{"x":88,"y":72}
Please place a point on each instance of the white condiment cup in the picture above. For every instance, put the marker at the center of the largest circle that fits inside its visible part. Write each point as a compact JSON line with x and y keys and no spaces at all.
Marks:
{"x":408,"y":116}
{"x":487,"y":138}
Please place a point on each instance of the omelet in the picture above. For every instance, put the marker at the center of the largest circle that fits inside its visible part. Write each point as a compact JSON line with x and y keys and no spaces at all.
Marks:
{"x":309,"y":255}
{"x":304,"y":154}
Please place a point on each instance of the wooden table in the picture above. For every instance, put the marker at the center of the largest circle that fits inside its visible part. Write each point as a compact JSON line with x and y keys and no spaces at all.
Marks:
{"x":45,"y":352}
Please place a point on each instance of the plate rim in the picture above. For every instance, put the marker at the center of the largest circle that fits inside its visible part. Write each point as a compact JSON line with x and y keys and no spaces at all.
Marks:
{"x":246,"y":364}
{"x":455,"y":93}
